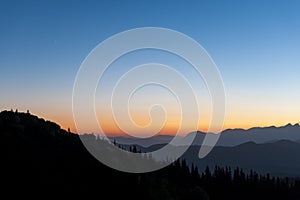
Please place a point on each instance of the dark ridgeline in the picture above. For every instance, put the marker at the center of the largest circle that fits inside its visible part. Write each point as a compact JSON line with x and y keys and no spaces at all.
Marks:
{"x":228,"y":137}
{"x":39,"y":158}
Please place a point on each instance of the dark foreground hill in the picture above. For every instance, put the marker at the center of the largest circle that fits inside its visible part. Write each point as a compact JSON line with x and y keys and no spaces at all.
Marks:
{"x":40,"y":159}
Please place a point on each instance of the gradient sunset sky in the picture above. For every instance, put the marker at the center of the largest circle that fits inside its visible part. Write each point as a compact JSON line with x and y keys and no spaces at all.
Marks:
{"x":255,"y":44}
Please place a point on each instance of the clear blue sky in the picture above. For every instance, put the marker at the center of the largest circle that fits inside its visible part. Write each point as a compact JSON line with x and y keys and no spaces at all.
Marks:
{"x":255,"y":44}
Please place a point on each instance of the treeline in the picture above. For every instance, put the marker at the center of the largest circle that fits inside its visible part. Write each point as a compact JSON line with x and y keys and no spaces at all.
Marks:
{"x":37,"y":157}
{"x":227,"y":183}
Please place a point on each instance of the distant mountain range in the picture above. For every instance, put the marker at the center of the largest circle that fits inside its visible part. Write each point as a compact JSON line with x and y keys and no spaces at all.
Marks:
{"x":273,"y":150}
{"x":37,"y":156}
{"x":280,"y":158}
{"x":229,"y":137}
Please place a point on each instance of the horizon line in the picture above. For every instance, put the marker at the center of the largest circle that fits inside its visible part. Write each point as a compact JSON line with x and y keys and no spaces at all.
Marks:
{"x":158,"y":134}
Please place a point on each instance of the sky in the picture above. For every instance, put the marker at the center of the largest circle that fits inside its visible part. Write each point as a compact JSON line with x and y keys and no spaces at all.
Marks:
{"x":255,"y":45}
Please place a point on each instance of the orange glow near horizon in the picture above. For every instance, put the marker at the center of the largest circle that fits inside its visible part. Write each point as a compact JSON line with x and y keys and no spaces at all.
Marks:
{"x":234,"y":119}
{"x":111,"y":128}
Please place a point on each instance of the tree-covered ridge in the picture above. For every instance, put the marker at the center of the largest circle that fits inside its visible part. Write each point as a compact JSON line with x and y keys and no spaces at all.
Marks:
{"x":39,"y":157}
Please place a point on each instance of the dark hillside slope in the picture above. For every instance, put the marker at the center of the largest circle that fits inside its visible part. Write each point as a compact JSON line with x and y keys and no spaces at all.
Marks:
{"x":39,"y":159}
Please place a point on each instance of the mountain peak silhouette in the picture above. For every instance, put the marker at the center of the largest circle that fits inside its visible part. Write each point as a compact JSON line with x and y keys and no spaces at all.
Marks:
{"x":28,"y":124}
